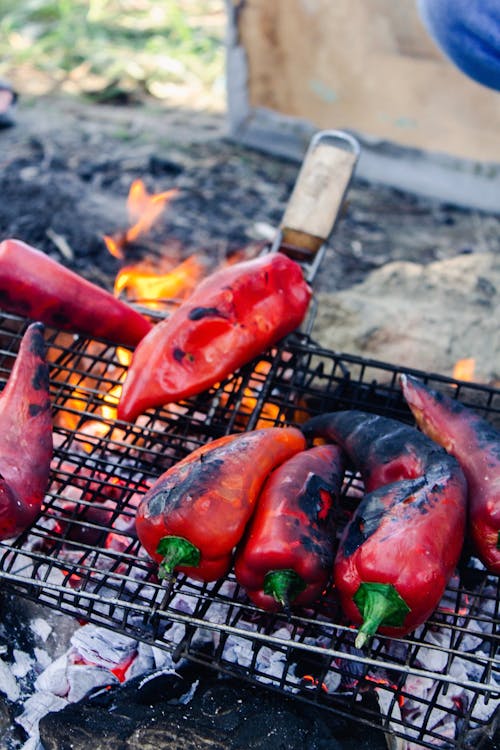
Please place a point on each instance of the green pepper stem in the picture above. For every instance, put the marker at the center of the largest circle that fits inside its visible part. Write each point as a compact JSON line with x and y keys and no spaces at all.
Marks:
{"x":283,"y":585}
{"x":379,"y":604}
{"x":176,"y":551}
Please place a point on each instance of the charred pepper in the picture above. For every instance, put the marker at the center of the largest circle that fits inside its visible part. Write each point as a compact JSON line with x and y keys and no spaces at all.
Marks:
{"x":286,"y":556}
{"x":26,"y":436}
{"x":195,"y":514}
{"x":37,"y":287}
{"x":400,"y":548}
{"x":475,"y":443}
{"x":233,"y":315}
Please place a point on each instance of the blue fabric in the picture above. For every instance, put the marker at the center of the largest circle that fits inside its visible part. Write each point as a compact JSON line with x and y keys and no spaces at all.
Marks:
{"x":468,"y":32}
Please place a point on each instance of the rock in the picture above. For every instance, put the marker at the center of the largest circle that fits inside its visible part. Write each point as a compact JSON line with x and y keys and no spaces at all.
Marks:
{"x":420,"y":316}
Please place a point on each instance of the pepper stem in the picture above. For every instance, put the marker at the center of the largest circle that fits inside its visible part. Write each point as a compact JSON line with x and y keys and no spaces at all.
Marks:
{"x":379,"y":604}
{"x":283,"y":585}
{"x":176,"y":551}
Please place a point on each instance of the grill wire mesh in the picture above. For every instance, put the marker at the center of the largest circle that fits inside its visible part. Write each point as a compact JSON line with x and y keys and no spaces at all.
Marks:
{"x":81,"y":556}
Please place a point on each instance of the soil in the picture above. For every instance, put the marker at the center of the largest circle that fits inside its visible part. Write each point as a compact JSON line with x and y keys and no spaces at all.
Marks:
{"x":67,"y":166}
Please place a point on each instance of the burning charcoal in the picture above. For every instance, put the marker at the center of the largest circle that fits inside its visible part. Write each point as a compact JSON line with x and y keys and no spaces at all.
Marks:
{"x":95,"y":646}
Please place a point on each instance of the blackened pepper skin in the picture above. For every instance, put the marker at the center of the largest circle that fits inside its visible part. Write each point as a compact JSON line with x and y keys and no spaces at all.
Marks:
{"x":195,"y":514}
{"x":402,"y":545}
{"x":287,"y":554}
{"x":25,"y":436}
{"x":475,"y":443}
{"x":232,"y":316}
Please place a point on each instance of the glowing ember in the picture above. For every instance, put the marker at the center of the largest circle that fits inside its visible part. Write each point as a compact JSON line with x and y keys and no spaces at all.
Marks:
{"x":88,"y":377}
{"x":386,"y":683}
{"x":314,"y":682}
{"x":269,"y":414}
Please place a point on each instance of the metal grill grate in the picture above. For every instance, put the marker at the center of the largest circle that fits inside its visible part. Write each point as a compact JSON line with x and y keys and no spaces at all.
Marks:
{"x":81,"y":556}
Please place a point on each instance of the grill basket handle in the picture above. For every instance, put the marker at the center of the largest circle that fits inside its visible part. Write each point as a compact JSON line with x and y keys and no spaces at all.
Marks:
{"x":318,"y":195}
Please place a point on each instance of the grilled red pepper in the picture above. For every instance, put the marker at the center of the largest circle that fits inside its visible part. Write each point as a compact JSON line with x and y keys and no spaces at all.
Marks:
{"x":25,"y":436}
{"x":196,"y":512}
{"x":232,"y":316}
{"x":287,"y":553}
{"x":404,"y":540}
{"x":476,"y":445}
{"x":37,"y":287}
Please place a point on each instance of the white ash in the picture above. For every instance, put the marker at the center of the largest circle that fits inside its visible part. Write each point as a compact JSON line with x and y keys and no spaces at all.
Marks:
{"x":86,"y":665}
{"x":42,"y":658}
{"x":94,"y":644}
{"x":150,"y":659}
{"x":332,"y":681}
{"x":8,"y":683}
{"x":41,"y":628}
{"x":35,"y":707}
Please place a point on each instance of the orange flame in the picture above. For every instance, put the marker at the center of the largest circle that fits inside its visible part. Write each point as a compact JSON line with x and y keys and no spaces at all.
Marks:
{"x":87,"y":377}
{"x":143,"y":209}
{"x":464,"y":369}
{"x":270,"y":413}
{"x":144,"y":285}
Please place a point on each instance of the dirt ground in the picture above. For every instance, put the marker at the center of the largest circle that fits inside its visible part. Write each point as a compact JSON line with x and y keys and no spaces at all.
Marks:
{"x":67,"y":165}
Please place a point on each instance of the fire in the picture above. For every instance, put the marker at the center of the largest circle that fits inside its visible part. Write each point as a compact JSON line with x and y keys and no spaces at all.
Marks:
{"x":143,"y":284}
{"x":143,"y":210}
{"x":153,"y":282}
{"x":269,"y":414}
{"x":89,"y":373}
{"x":464,"y":369}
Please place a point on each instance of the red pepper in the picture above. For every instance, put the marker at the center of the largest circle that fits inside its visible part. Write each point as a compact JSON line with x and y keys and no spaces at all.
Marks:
{"x":25,"y":436}
{"x":35,"y":286}
{"x":287,"y":554}
{"x":196,"y":512}
{"x":404,"y":540}
{"x":476,"y":445}
{"x":232,"y":316}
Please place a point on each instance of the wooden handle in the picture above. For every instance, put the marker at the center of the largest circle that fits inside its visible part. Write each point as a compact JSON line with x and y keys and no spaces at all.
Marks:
{"x":319,"y":191}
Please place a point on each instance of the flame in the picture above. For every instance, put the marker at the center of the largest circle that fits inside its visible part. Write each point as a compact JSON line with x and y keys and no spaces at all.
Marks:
{"x":464,"y":369}
{"x":91,"y":372}
{"x":143,"y":209}
{"x":142,"y":284}
{"x":269,"y":414}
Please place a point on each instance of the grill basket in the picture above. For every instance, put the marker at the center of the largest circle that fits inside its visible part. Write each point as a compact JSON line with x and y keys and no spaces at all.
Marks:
{"x":437,"y":687}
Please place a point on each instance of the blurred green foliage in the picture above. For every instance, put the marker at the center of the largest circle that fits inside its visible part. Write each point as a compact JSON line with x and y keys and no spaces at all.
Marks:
{"x":104,"y":47}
